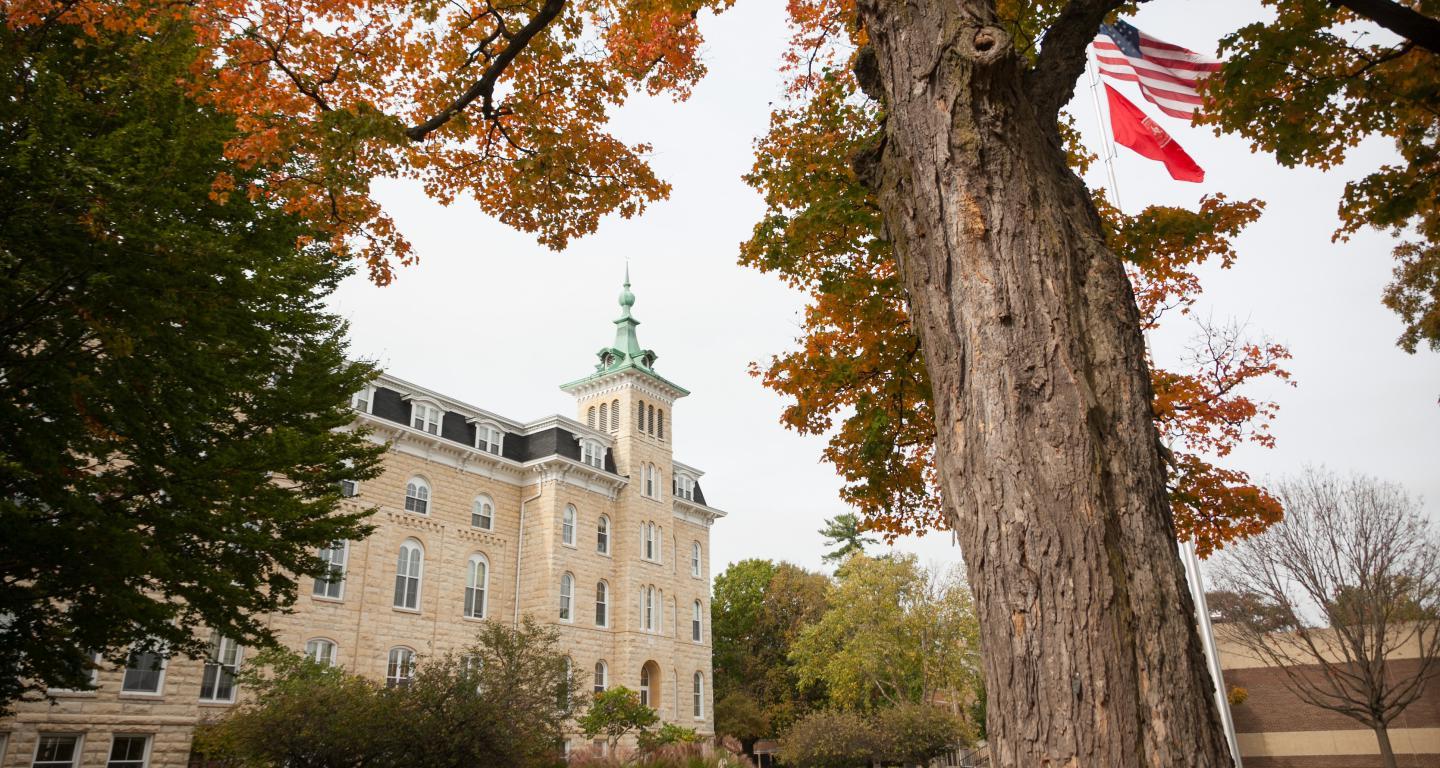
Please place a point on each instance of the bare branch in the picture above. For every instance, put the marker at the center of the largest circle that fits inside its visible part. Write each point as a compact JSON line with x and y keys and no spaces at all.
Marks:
{"x":1403,"y":21}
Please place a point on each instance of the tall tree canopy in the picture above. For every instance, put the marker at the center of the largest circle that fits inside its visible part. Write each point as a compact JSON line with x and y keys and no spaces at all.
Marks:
{"x":1035,"y":414}
{"x":844,"y":537}
{"x":166,"y":356}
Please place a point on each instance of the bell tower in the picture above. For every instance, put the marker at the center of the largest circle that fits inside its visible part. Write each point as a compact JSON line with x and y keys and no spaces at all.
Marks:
{"x":627,"y":399}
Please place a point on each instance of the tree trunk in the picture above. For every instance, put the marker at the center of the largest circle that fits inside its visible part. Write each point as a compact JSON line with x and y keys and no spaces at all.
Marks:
{"x":1049,"y":458}
{"x":1387,"y":753}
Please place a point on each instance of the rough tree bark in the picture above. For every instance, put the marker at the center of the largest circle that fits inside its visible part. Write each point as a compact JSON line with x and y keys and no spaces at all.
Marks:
{"x":1050,"y":460}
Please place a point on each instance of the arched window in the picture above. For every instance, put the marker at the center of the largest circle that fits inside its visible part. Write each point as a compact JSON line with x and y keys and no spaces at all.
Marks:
{"x":695,"y":559}
{"x":602,"y":675}
{"x":699,"y":696}
{"x":400,"y":668}
{"x":645,"y":685}
{"x":695,"y":622}
{"x":417,"y":496}
{"x":648,"y":474}
{"x":567,"y":525}
{"x":649,"y":606}
{"x":615,"y":409}
{"x":650,"y":421}
{"x":321,"y":651}
{"x":639,"y":415}
{"x":482,"y":514}
{"x":604,"y":417}
{"x":602,"y":535}
{"x":660,"y":424}
{"x":567,"y":596}
{"x":650,"y":685}
{"x":408,"y":571}
{"x":590,"y":417}
{"x":477,"y":582}
{"x":602,"y":604}
{"x":648,"y":541}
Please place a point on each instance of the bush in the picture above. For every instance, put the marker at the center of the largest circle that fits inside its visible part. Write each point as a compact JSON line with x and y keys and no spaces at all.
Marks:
{"x":692,"y":755}
{"x":830,"y":740}
{"x":913,"y":734}
{"x":666,"y":735}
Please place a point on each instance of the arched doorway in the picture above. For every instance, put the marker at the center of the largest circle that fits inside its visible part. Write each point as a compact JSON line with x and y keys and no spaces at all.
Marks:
{"x":650,"y":685}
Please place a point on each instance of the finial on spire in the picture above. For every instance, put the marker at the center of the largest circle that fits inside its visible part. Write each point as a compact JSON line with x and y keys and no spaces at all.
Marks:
{"x":627,"y":299}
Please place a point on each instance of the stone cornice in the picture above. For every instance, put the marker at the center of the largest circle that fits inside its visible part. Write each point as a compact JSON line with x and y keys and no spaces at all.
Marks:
{"x":652,"y":386}
{"x":696,"y":513}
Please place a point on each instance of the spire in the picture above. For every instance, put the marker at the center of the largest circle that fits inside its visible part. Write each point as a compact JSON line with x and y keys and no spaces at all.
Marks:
{"x":625,"y":354}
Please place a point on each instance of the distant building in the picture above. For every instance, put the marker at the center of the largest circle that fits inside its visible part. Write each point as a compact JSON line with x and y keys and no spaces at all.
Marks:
{"x":1276,"y":729}
{"x":588,"y":524}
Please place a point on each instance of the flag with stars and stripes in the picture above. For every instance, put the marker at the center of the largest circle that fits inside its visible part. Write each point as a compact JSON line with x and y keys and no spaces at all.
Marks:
{"x":1167,"y":74}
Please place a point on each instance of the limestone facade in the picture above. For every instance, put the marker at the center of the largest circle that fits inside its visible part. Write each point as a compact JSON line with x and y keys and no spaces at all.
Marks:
{"x":620,"y":475}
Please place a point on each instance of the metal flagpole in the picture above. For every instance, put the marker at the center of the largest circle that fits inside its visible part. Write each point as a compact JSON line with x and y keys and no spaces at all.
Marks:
{"x":1194,"y":579}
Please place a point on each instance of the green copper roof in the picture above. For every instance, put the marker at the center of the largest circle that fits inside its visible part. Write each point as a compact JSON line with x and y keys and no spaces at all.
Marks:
{"x":626,"y":353}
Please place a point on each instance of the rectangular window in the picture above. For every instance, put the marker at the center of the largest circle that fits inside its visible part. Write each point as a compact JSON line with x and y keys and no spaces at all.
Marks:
{"x":56,"y":751}
{"x":361,"y":400}
{"x":425,"y":418}
{"x":332,"y":584}
{"x":144,"y":672}
{"x":488,"y":439}
{"x":218,"y":683}
{"x":128,"y":752}
{"x":349,"y":489}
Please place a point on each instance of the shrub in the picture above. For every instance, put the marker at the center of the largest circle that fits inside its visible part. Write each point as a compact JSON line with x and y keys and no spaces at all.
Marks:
{"x":830,"y":740}
{"x":1237,"y":695}
{"x":913,"y":734}
{"x":666,"y":735}
{"x":616,"y":712}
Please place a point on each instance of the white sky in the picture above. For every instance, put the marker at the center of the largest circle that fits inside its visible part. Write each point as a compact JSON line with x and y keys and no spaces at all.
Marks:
{"x":492,"y":318}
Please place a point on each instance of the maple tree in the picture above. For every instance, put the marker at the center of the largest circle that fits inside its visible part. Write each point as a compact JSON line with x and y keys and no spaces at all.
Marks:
{"x":1011,"y":373}
{"x":1313,"y":82}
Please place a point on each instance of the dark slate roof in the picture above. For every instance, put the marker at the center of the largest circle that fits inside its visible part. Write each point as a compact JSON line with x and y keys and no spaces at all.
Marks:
{"x":391,"y":405}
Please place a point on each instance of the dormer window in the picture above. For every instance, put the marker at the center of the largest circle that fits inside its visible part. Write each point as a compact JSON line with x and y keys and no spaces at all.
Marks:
{"x":425,"y":417}
{"x":488,"y":438}
{"x":592,"y":453}
{"x":361,"y":400}
{"x":684,"y":487}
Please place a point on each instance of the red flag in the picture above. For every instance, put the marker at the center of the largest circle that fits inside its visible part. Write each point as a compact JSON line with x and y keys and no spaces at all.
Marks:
{"x":1137,"y":131}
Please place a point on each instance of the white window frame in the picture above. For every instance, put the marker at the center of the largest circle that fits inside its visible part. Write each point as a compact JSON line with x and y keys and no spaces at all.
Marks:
{"x":395,"y":674}
{"x":567,"y":598}
{"x":144,"y":753}
{"x":592,"y":452}
{"x":489,"y":437}
{"x":159,"y":681}
{"x":426,"y":416}
{"x":602,"y":603}
{"x":75,"y":754}
{"x":335,"y":574}
{"x":697,"y":623}
{"x":697,"y":685}
{"x":415,"y":570}
{"x":648,"y":607}
{"x":477,"y":609}
{"x":602,"y":676}
{"x":364,"y":400}
{"x":477,"y":516}
{"x":697,"y":557}
{"x":417,"y":495}
{"x":569,"y":518}
{"x":684,"y":486}
{"x":602,"y":535}
{"x":219,"y":644}
{"x":650,"y":542}
{"x":313,"y":647}
{"x":647,"y":682}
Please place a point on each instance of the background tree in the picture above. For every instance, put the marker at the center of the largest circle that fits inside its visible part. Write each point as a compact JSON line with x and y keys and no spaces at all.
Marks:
{"x":1310,"y":84}
{"x":166,"y":354}
{"x":843,"y":537}
{"x":894,"y":634}
{"x":615,"y":713}
{"x":1355,"y":572}
{"x":758,"y":609}
{"x":1251,"y":610}
{"x":497,"y":703}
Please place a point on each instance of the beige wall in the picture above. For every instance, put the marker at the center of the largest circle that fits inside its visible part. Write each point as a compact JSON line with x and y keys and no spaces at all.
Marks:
{"x":365,"y":625}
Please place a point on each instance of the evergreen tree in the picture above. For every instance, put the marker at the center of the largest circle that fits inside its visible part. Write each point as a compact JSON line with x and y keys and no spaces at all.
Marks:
{"x":172,"y":391}
{"x":843,"y":537}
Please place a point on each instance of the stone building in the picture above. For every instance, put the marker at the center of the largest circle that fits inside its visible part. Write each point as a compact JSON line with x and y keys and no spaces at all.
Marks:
{"x":588,"y":524}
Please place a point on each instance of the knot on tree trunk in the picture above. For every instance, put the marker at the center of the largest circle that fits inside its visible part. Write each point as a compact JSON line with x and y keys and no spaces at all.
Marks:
{"x":867,"y":73}
{"x":983,"y":44}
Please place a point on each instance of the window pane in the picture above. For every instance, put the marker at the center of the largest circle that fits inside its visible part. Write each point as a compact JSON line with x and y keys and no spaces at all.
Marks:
{"x":127,"y":752}
{"x":142,"y":672}
{"x":56,"y":751}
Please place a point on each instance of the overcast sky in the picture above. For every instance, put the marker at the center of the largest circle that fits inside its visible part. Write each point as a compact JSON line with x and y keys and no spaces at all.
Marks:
{"x":525,"y":319}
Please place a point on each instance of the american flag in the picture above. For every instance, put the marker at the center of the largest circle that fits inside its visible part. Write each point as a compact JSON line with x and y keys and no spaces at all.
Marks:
{"x":1167,"y":74}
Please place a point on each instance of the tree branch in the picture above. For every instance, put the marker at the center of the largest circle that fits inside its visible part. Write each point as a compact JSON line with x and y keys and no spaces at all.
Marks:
{"x":485,"y":86}
{"x":1405,"y":22}
{"x":1062,"y":54}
